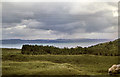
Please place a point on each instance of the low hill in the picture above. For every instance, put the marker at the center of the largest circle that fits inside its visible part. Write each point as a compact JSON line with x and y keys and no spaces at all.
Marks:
{"x":107,"y":49}
{"x":21,"y":41}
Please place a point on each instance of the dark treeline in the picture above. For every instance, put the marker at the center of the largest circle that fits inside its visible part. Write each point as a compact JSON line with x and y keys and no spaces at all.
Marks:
{"x":35,"y":49}
{"x":106,"y":49}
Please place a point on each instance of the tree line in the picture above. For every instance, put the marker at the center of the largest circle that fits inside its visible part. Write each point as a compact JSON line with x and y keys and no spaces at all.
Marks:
{"x":106,"y":49}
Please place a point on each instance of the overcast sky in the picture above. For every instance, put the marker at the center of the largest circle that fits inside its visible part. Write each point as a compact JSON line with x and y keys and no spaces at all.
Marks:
{"x":59,"y":20}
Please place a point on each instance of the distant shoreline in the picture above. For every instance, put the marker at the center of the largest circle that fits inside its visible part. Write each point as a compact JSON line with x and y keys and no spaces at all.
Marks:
{"x":72,"y":45}
{"x":107,"y":40}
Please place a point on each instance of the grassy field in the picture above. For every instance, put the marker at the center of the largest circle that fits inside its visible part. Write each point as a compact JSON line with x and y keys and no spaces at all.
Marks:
{"x":15,"y":63}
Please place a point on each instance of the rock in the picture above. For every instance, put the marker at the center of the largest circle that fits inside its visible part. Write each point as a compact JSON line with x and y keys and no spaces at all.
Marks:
{"x":115,"y":69}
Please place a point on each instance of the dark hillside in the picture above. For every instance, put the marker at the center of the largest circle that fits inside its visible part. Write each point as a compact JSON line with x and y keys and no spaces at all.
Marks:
{"x":107,"y":49}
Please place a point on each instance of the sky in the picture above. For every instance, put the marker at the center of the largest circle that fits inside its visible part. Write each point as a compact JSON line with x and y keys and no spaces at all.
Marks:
{"x":59,"y":20}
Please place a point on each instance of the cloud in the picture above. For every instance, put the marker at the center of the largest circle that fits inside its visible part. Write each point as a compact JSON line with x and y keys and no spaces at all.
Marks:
{"x":59,"y":20}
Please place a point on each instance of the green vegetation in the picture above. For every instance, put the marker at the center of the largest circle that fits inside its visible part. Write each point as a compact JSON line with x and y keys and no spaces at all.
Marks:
{"x":15,"y":63}
{"x":105,"y":49}
{"x":89,"y":61}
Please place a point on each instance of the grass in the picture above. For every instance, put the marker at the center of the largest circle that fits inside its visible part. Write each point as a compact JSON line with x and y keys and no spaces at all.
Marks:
{"x":14,"y":63}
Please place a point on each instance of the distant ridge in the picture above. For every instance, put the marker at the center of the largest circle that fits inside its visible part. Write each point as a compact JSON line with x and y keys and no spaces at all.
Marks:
{"x":16,"y":41}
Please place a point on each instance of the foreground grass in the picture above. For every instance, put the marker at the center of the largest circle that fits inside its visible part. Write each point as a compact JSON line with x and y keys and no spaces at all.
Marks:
{"x":14,"y":63}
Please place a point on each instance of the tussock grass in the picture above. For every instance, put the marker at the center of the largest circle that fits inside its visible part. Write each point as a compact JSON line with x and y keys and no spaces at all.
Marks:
{"x":14,"y":63}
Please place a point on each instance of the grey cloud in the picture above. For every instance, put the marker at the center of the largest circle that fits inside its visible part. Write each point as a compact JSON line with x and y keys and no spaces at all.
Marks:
{"x":60,"y":18}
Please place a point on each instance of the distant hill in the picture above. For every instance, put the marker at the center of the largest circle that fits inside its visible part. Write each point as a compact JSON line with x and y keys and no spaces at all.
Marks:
{"x":17,"y":41}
